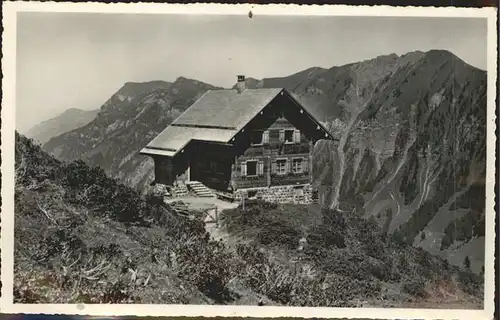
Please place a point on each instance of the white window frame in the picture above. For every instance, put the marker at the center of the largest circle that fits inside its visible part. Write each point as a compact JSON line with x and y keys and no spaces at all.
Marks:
{"x":256,"y":168}
{"x":278,"y":171}
{"x":301,"y":165}
{"x":296,"y":136}
{"x":265,"y":137}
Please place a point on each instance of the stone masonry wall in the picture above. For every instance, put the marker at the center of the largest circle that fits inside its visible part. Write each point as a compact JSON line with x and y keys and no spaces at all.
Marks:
{"x":279,"y":194}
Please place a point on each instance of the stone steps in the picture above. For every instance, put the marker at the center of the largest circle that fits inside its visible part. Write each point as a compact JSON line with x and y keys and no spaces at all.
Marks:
{"x":200,"y":189}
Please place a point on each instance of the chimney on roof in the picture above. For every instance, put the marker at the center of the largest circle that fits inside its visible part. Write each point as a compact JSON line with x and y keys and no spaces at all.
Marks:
{"x":240,"y":86}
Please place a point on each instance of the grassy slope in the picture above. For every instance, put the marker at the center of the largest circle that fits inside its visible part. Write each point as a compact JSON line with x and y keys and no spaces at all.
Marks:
{"x":82,"y":237}
{"x":347,"y":256}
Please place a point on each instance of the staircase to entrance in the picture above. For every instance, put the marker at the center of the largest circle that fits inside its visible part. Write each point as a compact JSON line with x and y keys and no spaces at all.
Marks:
{"x":199,"y":189}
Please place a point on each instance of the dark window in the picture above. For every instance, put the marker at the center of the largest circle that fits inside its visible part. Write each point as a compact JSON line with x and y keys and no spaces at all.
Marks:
{"x":256,"y":137}
{"x":289,"y":136}
{"x":251,"y":168}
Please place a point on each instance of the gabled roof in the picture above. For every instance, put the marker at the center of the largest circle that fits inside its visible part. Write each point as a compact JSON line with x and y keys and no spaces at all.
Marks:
{"x":217,"y":116}
{"x":227,"y":108}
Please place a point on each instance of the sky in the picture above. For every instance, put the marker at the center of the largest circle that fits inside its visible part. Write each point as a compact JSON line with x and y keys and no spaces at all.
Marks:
{"x":78,"y":60}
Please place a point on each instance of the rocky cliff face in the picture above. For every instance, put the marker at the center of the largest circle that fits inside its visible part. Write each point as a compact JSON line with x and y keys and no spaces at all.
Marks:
{"x":131,"y":118}
{"x":411,"y":153}
{"x":411,"y":143}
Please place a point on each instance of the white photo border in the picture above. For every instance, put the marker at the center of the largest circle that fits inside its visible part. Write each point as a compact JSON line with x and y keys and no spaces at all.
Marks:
{"x":10,"y":10}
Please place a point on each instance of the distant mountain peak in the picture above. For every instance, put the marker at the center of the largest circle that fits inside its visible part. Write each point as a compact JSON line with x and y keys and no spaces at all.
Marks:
{"x":182,"y":79}
{"x":141,"y":83}
{"x":64,"y":122}
{"x":72,"y":110}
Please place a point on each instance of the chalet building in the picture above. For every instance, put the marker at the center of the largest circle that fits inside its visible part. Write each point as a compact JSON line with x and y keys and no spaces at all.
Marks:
{"x":240,"y":143}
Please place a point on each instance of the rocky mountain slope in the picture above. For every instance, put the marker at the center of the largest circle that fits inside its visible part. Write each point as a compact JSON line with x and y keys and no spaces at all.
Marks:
{"x":412,"y":152}
{"x":68,"y":120}
{"x":411,"y":149}
{"x":131,"y":118}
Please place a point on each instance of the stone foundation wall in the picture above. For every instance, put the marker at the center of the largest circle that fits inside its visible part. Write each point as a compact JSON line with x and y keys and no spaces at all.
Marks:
{"x":302,"y":194}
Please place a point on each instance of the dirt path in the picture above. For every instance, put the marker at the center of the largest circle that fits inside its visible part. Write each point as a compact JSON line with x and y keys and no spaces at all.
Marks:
{"x":198,"y":203}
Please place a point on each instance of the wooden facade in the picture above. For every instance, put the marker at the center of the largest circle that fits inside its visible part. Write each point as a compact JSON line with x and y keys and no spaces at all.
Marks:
{"x":273,"y":149}
{"x":278,"y":155}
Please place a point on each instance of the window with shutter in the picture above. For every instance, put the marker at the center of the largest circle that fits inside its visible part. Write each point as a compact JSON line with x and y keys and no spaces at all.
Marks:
{"x":296,"y":136}
{"x":251,"y":168}
{"x":289,"y":136}
{"x":265,"y":137}
{"x":261,"y":168}
{"x":257,"y":137}
{"x":297,"y":165}
{"x":281,"y":166}
{"x":305,"y":164}
{"x":243,"y":169}
{"x":282,"y":135}
{"x":274,"y":168}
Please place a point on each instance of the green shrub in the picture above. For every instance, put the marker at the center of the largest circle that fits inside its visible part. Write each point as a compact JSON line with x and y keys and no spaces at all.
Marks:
{"x":207,"y":266}
{"x":470,"y":282}
{"x":277,"y":232}
{"x":415,"y":287}
{"x":326,"y":236}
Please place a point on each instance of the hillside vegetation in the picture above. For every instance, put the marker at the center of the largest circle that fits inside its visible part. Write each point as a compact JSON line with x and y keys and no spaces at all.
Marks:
{"x":83,"y":237}
{"x":347,"y":258}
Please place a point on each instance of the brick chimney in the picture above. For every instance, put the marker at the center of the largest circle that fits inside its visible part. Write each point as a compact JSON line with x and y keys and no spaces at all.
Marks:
{"x":240,"y":86}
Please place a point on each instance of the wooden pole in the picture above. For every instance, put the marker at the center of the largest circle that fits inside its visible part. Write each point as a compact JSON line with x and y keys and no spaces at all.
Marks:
{"x":216,"y":217}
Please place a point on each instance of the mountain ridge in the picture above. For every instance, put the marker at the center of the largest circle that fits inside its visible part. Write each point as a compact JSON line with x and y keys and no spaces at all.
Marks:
{"x":66,"y":121}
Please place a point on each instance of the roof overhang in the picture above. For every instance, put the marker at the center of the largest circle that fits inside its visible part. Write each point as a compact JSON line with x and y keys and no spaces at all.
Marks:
{"x":157,"y":152}
{"x":154,"y":151}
